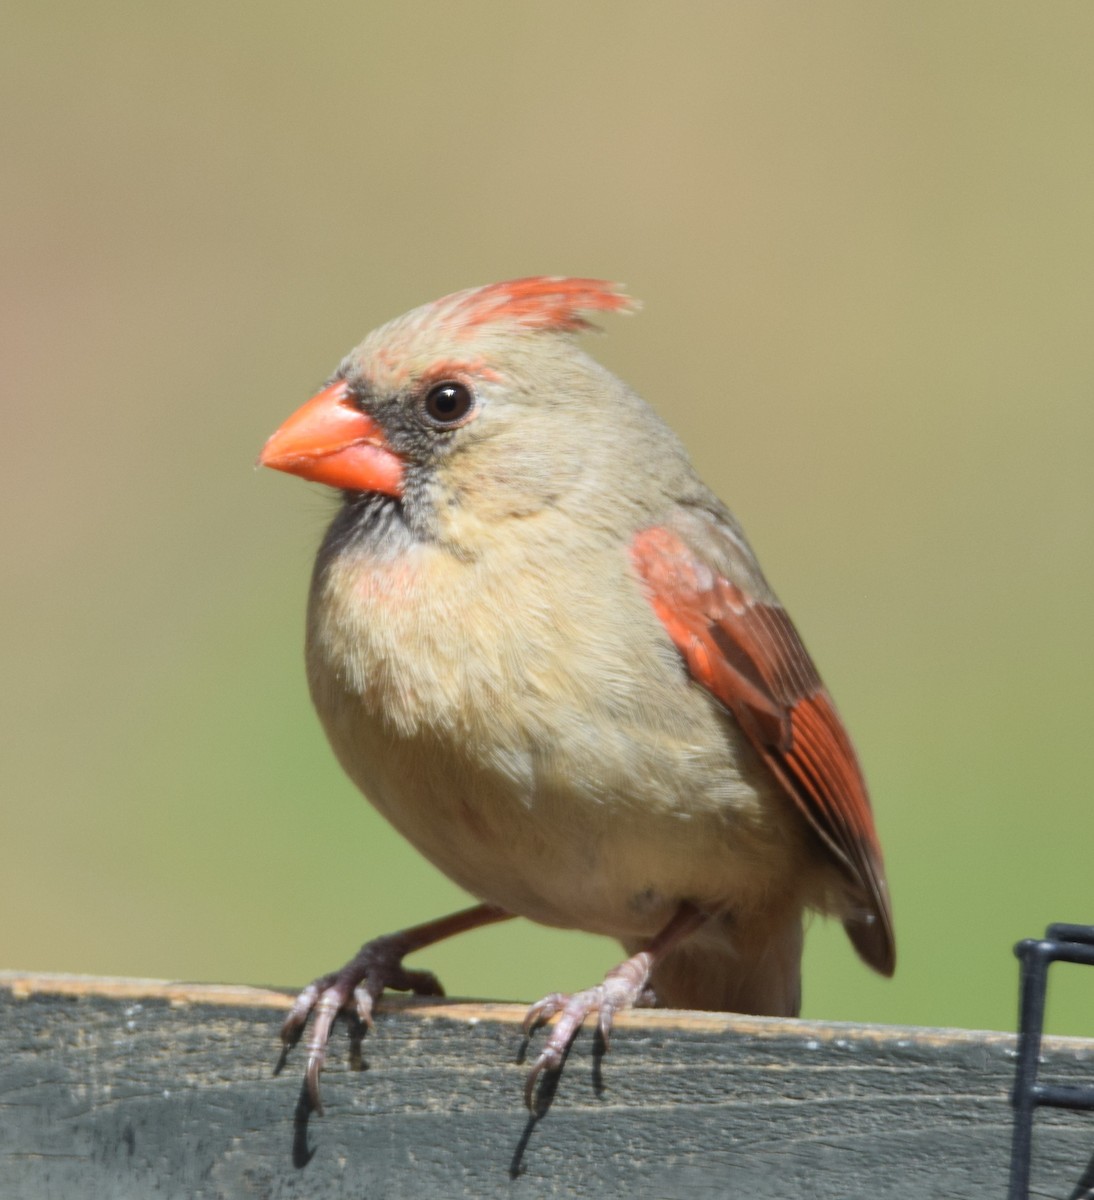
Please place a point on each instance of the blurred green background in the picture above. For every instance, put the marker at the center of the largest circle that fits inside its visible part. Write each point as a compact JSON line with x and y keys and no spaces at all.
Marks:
{"x":863,"y":233}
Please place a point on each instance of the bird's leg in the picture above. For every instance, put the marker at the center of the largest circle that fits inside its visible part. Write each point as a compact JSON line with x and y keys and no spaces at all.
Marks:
{"x":359,"y":984}
{"x":625,"y":986}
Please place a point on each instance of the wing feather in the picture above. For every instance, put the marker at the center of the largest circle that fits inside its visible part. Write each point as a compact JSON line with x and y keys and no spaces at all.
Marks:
{"x":746,"y":652}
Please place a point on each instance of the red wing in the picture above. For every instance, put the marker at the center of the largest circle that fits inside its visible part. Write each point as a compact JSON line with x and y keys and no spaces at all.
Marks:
{"x":749,"y":656}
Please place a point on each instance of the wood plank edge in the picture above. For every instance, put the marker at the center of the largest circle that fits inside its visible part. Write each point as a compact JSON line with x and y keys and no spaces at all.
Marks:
{"x":24,"y":985}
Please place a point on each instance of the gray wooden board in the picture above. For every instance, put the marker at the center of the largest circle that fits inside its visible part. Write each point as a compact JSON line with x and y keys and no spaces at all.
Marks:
{"x":128,"y":1088}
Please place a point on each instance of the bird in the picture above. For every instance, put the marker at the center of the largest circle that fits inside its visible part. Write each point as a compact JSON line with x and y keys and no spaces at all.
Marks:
{"x":545,"y":651}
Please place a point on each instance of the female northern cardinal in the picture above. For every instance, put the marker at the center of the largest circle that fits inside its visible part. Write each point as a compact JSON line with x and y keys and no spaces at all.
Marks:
{"x":544,"y":650}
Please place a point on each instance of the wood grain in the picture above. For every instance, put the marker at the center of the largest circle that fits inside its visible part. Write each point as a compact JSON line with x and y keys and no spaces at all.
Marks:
{"x":130,"y":1088}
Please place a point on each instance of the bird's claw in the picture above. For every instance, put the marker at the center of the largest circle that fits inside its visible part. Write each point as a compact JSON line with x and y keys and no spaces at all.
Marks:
{"x":543,"y":1010}
{"x":356,"y":988}
{"x":624,"y":987}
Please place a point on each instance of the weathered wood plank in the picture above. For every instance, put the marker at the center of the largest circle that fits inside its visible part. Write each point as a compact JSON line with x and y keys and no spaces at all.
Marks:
{"x":129,"y":1088}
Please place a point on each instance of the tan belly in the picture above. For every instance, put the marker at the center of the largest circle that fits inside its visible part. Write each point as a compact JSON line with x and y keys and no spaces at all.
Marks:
{"x":536,"y":834}
{"x":497,"y":751}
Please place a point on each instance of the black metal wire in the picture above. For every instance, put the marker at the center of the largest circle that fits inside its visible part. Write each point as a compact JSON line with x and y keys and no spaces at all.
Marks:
{"x":1061,"y":943}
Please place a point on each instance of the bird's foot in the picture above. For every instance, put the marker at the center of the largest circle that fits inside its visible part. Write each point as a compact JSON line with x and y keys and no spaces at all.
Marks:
{"x":356,"y":988}
{"x":626,"y":986}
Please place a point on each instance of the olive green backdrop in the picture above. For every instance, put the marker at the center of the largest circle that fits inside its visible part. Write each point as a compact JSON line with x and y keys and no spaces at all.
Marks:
{"x":863,"y":233}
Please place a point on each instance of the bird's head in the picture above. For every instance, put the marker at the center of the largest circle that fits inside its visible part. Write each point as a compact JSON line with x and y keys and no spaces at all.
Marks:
{"x":478,"y":404}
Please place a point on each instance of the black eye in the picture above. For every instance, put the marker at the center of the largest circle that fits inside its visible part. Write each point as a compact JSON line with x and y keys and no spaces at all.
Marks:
{"x":448,"y":403}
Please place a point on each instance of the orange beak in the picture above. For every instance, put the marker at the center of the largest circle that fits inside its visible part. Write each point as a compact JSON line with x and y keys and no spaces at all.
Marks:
{"x":329,"y":440}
